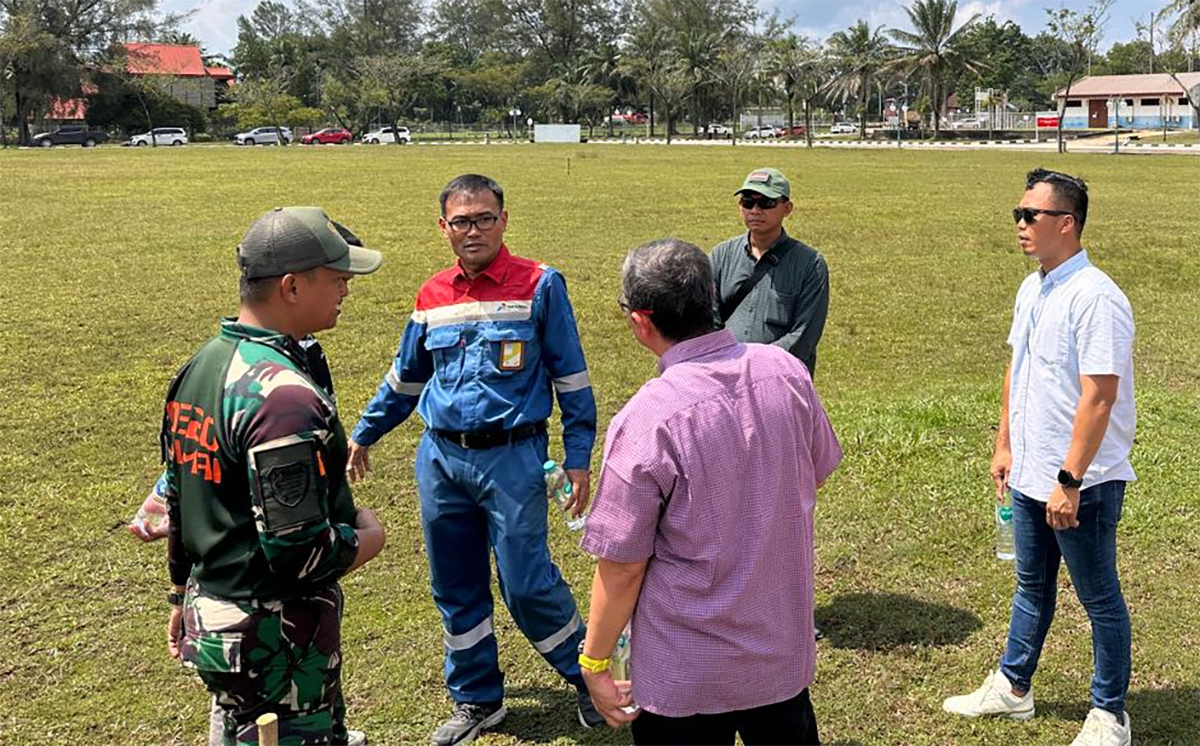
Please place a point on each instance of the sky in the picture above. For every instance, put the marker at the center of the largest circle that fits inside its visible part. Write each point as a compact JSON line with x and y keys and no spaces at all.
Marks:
{"x":214,"y":21}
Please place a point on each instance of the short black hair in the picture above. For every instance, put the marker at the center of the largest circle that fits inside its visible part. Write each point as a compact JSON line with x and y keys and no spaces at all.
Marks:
{"x":254,"y":291}
{"x":1070,"y":190}
{"x":471,"y":184}
{"x":673,"y":280}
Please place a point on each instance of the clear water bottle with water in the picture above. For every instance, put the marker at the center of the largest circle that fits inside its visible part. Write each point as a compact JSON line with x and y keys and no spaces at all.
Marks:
{"x":147,"y":525}
{"x":558,"y":489}
{"x":1005,"y":539}
{"x":620,"y":657}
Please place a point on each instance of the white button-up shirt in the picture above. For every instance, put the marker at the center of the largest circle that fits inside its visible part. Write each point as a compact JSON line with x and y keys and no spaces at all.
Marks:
{"x":1071,"y":322}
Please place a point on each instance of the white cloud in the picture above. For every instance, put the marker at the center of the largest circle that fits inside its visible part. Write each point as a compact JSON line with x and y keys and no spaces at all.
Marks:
{"x":214,"y":22}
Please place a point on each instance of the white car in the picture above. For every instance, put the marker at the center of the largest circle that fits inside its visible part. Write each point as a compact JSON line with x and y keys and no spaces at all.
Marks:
{"x":161,"y":136}
{"x":758,"y":133}
{"x":717,"y":129}
{"x":970,"y":123}
{"x":843,"y":128}
{"x":263,"y":136}
{"x":385,"y":134}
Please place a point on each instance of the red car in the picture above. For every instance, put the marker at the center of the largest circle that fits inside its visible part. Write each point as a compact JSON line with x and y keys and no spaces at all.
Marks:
{"x":796,"y":131}
{"x":328,"y":136}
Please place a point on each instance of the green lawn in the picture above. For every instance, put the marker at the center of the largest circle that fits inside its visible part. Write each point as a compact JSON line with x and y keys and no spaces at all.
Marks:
{"x":118,"y":262}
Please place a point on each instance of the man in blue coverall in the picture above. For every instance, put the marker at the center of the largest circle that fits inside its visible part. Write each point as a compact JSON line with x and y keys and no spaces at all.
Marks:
{"x":491,"y":341}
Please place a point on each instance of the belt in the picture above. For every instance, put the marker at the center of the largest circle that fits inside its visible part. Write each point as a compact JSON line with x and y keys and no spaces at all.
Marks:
{"x":491,"y":438}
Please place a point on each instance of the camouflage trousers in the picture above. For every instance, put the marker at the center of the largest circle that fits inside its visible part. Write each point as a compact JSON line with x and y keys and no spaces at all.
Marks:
{"x":270,"y":656}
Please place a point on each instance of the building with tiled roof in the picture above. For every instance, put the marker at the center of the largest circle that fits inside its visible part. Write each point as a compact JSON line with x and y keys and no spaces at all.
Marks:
{"x":193,"y":82}
{"x":1149,"y":101}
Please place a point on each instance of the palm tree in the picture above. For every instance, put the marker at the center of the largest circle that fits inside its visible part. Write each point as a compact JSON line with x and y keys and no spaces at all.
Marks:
{"x":932,"y":48}
{"x":806,"y":71}
{"x":859,"y":55}
{"x":735,"y":69}
{"x":1188,"y":16}
{"x":698,"y":51}
{"x":602,"y":67}
{"x":667,"y":79}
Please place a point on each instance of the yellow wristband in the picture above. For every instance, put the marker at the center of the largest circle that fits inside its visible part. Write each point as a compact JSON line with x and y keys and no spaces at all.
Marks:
{"x":593,"y":665}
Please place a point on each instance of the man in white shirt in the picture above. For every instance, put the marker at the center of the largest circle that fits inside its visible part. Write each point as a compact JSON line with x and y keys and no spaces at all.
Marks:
{"x":1066,"y":429}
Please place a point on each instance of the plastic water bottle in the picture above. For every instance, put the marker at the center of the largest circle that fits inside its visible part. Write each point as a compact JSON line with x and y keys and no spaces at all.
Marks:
{"x":558,"y":489}
{"x":620,"y":657}
{"x":621,"y":670}
{"x":1005,"y":539}
{"x":152,"y":514}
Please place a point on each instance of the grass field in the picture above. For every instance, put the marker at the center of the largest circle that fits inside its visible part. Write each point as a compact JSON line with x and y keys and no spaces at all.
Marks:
{"x":117,"y":264}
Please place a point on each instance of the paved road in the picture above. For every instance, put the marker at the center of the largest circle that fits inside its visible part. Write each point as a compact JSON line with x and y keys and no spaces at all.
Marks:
{"x":1076,"y":146}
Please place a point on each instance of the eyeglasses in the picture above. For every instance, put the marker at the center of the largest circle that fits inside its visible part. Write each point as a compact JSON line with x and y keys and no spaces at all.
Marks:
{"x":628,"y":309}
{"x":484,"y":223}
{"x":1029,"y":214}
{"x":766,"y":203}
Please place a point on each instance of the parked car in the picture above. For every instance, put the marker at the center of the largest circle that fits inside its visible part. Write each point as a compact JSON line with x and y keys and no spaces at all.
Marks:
{"x":843,"y":128}
{"x":717,"y":129}
{"x":759,"y":133}
{"x":635,"y":117}
{"x":264,"y":136}
{"x":71,"y":134}
{"x":970,"y":123}
{"x":162,"y":136}
{"x":328,"y":136}
{"x":385,"y":134}
{"x":794,"y":131}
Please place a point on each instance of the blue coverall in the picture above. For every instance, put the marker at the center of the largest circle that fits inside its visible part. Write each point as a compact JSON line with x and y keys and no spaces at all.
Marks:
{"x":484,"y":355}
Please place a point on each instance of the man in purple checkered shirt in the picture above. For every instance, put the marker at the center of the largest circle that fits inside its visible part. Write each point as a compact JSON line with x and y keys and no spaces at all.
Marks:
{"x":703,"y":523}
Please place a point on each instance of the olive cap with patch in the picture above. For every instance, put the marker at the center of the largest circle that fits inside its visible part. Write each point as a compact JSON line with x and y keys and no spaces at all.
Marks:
{"x":287,"y":240}
{"x":769,"y":182}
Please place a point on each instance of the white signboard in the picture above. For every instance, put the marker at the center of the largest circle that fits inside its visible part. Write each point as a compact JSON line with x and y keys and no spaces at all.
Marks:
{"x":556,"y":133}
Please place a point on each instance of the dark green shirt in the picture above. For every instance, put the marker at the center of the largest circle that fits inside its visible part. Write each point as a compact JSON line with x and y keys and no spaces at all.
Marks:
{"x":787,"y":307}
{"x":255,"y":475}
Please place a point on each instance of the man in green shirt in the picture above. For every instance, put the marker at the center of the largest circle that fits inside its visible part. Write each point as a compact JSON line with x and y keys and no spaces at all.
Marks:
{"x":771,"y":288}
{"x":261,"y":520}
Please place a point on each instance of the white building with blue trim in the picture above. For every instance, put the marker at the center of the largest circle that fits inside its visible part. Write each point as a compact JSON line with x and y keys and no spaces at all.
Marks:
{"x":1151,"y":101}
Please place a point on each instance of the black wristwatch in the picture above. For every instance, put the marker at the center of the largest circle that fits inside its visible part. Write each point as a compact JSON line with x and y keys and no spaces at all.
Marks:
{"x":175,"y":599}
{"x":1067,"y":479}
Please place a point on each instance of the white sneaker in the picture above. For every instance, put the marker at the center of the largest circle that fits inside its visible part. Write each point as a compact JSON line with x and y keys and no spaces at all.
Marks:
{"x":995,"y":697}
{"x":356,"y":738}
{"x":1102,"y":728}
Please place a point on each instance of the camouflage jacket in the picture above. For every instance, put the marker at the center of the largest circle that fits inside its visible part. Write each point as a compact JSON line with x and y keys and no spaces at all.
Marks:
{"x":255,"y":467}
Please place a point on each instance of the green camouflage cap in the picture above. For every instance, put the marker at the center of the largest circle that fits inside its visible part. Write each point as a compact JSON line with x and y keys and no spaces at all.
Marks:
{"x":769,"y":182}
{"x":294,"y":239}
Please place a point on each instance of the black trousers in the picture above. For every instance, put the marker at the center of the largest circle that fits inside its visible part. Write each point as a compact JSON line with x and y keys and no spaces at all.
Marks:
{"x":788,"y":723}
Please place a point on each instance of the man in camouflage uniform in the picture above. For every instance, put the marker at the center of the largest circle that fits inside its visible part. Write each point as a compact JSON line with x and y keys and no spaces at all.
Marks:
{"x":261,"y":520}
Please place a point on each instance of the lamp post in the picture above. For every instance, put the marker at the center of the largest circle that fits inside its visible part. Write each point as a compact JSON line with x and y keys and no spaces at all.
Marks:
{"x":1116,"y":103}
{"x":514,"y":113}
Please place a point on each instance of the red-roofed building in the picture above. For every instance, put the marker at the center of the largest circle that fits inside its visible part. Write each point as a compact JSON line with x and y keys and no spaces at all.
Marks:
{"x":194,"y":83}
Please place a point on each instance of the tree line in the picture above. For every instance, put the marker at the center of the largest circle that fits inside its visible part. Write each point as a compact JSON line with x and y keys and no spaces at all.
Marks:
{"x":493,"y":63}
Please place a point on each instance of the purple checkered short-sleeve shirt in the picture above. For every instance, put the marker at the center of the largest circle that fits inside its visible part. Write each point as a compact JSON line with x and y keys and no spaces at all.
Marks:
{"x":710,"y":473}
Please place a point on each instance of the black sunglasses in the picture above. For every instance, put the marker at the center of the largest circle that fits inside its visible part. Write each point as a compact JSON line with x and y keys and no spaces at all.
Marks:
{"x":1029,"y":214}
{"x":747,"y":202}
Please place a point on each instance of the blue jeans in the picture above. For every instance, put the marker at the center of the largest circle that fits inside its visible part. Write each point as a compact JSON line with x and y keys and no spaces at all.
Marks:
{"x":1091,"y":554}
